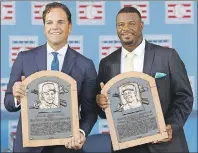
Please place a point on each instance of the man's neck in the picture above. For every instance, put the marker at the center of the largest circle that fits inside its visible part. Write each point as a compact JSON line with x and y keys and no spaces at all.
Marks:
{"x":130,"y":48}
{"x":57,"y":47}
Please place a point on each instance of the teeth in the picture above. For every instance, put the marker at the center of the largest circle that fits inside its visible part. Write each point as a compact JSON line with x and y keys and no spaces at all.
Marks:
{"x":56,"y":33}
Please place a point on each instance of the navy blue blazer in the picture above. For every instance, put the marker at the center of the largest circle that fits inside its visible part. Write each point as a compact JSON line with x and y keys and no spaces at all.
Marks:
{"x":76,"y":65}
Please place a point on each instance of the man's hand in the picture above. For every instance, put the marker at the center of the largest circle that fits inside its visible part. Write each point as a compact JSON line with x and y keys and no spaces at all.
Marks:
{"x":101,"y":99}
{"x":19,"y":89}
{"x":170,"y":135}
{"x":76,"y":143}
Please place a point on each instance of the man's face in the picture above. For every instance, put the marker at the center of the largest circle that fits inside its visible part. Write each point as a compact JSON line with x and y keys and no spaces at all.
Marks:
{"x":129,"y":28}
{"x":129,"y":95}
{"x":49,"y":96}
{"x":57,"y":27}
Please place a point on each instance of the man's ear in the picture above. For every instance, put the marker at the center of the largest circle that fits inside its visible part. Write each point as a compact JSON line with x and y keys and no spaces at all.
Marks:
{"x":142,"y":25}
{"x":70,"y":27}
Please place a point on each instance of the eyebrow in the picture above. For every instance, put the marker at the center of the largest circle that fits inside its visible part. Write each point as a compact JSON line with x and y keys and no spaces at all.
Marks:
{"x":57,"y":20}
{"x":128,"y":21}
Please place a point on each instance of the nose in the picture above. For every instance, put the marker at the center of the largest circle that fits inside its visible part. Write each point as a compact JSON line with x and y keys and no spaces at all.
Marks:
{"x":125,"y":27}
{"x":54,"y":26}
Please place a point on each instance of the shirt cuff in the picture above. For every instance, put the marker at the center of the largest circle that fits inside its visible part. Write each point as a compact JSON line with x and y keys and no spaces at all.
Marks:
{"x":83,"y":132}
{"x":15,"y":103}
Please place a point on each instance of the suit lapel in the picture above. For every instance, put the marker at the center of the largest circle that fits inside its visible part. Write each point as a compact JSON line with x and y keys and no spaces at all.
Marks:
{"x":116,"y":63}
{"x":70,"y":59}
{"x":148,"y":58}
{"x":41,"y":58}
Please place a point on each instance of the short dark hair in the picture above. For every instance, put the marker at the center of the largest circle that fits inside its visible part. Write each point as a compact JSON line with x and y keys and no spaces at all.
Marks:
{"x":49,"y":6}
{"x":130,"y":10}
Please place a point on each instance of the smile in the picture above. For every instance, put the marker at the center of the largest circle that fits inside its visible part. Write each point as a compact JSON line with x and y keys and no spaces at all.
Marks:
{"x":55,"y":33}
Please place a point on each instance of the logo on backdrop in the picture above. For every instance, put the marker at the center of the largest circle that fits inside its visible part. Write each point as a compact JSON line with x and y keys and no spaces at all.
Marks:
{"x":103,"y":126}
{"x":179,"y":12}
{"x":4,"y":83}
{"x":37,"y":10}
{"x":90,"y":13}
{"x":8,"y":13}
{"x":12,"y":127}
{"x":142,"y":6}
{"x":76,"y":43}
{"x":21,"y":43}
{"x":162,"y":40}
{"x":107,"y":45}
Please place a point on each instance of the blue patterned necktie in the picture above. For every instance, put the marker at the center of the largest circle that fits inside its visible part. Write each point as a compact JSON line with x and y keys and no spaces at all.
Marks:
{"x":55,"y":62}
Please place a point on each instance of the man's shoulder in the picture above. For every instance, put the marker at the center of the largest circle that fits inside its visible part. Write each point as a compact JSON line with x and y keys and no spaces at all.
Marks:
{"x":81,"y":58}
{"x":161,"y":49}
{"x":33,"y":50}
{"x":112,"y":56}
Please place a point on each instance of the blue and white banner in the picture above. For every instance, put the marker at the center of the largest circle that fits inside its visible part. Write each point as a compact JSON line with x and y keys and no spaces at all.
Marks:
{"x":8,"y":13}
{"x":21,"y":43}
{"x":90,"y":12}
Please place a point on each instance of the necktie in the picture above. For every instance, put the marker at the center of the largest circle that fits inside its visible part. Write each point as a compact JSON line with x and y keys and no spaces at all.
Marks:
{"x":129,"y":62}
{"x":55,"y":62}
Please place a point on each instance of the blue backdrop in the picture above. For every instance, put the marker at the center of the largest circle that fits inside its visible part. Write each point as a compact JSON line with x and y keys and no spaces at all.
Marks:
{"x":170,"y":24}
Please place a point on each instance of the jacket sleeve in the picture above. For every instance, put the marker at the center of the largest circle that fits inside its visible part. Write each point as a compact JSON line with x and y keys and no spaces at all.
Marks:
{"x":16,"y":73}
{"x":87,"y":99}
{"x":101,"y":78}
{"x":181,"y":93}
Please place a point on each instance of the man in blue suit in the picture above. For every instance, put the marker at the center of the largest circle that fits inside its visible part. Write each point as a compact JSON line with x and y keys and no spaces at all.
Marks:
{"x":55,"y":55}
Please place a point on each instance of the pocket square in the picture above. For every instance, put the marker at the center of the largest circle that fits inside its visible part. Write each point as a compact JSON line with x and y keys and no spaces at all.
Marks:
{"x":160,"y":75}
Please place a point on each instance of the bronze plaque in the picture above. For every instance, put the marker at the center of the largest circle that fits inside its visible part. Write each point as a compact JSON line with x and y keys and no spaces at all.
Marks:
{"x":49,"y":109}
{"x":134,"y":114}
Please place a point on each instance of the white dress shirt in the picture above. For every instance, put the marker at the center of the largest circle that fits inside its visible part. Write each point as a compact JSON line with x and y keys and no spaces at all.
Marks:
{"x":138,"y":58}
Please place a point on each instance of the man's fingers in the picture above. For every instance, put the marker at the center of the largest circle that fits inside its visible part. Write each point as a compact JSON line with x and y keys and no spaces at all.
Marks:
{"x":18,"y":95}
{"x":18,"y":91}
{"x":169,"y":132}
{"x":101,"y":85}
{"x":78,"y":145}
{"x":103,"y":104}
{"x":73,"y":144}
{"x":18,"y":85}
{"x":69,"y":144}
{"x":100,"y":96}
{"x":103,"y":100}
{"x":82,"y":138}
{"x":66,"y":144}
{"x":164,"y":140}
{"x":22,"y":78}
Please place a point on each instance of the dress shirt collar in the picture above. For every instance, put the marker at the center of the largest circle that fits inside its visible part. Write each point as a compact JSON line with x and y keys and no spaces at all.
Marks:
{"x":62,"y":51}
{"x":137,"y":51}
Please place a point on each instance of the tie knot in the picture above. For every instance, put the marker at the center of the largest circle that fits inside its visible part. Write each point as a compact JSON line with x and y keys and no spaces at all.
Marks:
{"x":130,"y":56}
{"x":55,"y":54}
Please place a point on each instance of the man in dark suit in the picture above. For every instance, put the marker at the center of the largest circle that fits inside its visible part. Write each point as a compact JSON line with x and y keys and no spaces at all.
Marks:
{"x":174,"y":89}
{"x":55,"y":55}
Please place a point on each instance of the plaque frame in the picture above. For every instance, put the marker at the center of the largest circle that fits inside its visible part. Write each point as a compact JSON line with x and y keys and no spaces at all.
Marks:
{"x":162,"y":134}
{"x":27,"y":142}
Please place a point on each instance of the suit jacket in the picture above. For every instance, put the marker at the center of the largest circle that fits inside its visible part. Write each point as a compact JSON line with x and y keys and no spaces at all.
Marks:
{"x":174,"y":90}
{"x":77,"y":66}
